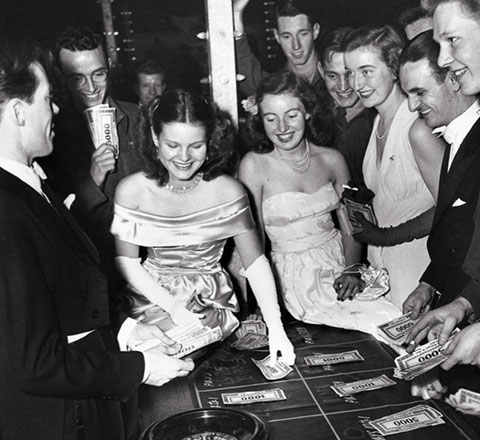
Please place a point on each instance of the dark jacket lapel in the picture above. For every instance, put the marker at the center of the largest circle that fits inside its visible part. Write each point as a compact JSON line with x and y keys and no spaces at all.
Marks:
{"x":54,"y":217}
{"x":451,"y":181}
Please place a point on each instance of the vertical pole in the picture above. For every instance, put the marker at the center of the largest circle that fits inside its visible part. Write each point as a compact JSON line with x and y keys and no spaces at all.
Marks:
{"x":109,"y":32}
{"x":221,"y":55}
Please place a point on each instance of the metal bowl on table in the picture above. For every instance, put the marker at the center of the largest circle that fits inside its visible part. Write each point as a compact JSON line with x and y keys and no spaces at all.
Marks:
{"x":209,"y":424}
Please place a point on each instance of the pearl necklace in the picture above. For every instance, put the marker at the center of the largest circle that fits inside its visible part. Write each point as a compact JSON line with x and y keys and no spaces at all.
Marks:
{"x":385,"y":133}
{"x":186,"y":188}
{"x":300,"y":166}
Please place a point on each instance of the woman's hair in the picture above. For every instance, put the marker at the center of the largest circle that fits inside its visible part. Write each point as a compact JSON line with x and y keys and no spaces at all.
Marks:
{"x":319,"y":128}
{"x":384,"y":39}
{"x":177,"y":105}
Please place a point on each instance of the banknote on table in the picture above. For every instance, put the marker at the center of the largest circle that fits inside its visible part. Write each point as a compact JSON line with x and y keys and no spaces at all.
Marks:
{"x":360,"y":386}
{"x":465,"y":401}
{"x":250,"y":341}
{"x":245,"y":397}
{"x":102,"y":126}
{"x":251,"y":326}
{"x":278,"y":371}
{"x":333,"y":358}
{"x":423,"y":359}
{"x":396,"y":331}
{"x":420,"y":416}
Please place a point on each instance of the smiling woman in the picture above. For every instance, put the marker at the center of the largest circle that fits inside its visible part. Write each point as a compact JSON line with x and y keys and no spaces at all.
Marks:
{"x":402,"y":160}
{"x":182,"y":208}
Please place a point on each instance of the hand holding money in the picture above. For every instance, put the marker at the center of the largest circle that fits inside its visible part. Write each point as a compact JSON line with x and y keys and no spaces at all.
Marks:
{"x":465,"y":401}
{"x":464,"y":348}
{"x":103,"y":161}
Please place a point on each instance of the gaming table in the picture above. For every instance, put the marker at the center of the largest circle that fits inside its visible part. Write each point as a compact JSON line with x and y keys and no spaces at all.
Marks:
{"x":312,"y":410}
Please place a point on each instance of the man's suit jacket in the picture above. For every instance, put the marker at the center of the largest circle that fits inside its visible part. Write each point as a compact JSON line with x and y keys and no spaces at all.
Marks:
{"x":453,"y":222}
{"x":50,"y":288}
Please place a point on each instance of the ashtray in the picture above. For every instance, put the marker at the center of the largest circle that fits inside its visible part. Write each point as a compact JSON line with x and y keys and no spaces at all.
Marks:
{"x":209,"y":424}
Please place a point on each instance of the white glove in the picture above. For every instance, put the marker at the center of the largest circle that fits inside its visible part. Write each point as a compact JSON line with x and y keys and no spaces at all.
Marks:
{"x":133,"y":271}
{"x":260,"y":277}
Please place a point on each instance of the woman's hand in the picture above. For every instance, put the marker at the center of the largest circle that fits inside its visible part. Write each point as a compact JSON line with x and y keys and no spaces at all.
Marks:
{"x":278,"y":341}
{"x":347,"y":286}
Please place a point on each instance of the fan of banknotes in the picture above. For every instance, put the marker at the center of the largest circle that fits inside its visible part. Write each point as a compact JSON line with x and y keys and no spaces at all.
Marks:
{"x":419,"y":416}
{"x":102,"y":126}
{"x":465,"y":401}
{"x":423,"y":359}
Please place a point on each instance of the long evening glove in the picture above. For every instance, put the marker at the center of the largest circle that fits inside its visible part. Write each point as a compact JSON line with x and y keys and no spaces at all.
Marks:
{"x":417,"y":227}
{"x":260,"y":277}
{"x":134,"y":273}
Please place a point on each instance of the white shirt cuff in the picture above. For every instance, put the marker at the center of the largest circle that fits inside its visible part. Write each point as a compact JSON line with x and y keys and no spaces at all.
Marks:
{"x":146,"y":373}
{"x":125,"y":332}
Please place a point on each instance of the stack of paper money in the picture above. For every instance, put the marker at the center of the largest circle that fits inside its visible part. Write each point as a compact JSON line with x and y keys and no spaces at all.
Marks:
{"x":417,"y":417}
{"x":359,"y":386}
{"x":423,"y":359}
{"x":102,"y":126}
{"x":193,"y":336}
{"x":278,"y":371}
{"x":396,"y":331}
{"x":251,"y":334}
{"x":465,"y":401}
{"x":320,"y":359}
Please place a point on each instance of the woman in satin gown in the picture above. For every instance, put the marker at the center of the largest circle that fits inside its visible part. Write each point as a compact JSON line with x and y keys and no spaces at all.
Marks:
{"x":181,"y":209}
{"x":295,"y":184}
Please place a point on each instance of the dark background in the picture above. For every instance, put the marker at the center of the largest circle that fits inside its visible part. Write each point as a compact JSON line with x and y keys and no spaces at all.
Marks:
{"x":166,"y":29}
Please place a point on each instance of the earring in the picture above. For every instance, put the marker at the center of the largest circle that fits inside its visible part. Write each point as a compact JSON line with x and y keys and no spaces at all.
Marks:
{"x":307,"y":116}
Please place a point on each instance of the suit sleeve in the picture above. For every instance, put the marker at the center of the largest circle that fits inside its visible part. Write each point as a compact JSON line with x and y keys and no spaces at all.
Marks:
{"x":35,"y":350}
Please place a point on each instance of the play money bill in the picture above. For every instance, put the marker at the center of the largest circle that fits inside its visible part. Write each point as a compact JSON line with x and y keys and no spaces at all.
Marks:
{"x":253,"y":397}
{"x":278,"y":371}
{"x":396,"y":331}
{"x":360,"y":386}
{"x":200,"y":340}
{"x":333,"y":358}
{"x":251,"y":326}
{"x":250,"y":341}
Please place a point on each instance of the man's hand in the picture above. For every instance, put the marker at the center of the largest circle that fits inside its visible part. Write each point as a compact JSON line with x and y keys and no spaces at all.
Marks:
{"x":464,"y":348}
{"x":164,"y":368}
{"x":347,"y":286}
{"x":103,"y":161}
{"x":428,"y":386}
{"x":438,"y":323}
{"x":419,"y":300}
{"x":238,"y":8}
{"x":142,"y":333}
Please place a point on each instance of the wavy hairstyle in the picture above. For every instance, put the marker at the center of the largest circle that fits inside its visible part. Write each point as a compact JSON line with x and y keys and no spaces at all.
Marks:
{"x":177,"y":105}
{"x":319,"y":129}
{"x":386,"y":40}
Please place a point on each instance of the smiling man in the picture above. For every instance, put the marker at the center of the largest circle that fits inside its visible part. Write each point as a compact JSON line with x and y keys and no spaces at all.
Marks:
{"x":433,"y":91}
{"x":76,"y":167}
{"x":295,"y":31}
{"x":353,"y":121}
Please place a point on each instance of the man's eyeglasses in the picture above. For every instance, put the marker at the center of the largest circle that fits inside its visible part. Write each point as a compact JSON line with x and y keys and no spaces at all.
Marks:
{"x":79,"y":81}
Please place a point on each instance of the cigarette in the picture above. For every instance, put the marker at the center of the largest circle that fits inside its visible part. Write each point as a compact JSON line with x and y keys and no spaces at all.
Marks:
{"x":349,"y":187}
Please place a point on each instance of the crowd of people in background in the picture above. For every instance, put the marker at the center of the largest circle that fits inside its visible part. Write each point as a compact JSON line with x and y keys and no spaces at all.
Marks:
{"x":108,"y":246}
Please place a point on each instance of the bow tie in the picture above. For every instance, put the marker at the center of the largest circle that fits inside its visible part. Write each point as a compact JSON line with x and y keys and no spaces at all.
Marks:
{"x":443,"y":132}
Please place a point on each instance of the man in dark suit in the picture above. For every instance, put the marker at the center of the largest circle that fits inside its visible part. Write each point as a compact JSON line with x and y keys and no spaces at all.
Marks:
{"x":453,"y":221}
{"x":62,"y":374}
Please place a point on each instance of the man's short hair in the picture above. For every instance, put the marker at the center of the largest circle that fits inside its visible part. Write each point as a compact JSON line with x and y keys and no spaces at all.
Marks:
{"x":471,"y":7}
{"x":333,"y":43}
{"x":149,"y":67}
{"x":17,"y":78}
{"x":424,"y":47}
{"x":411,"y":15}
{"x":77,"y":38}
{"x":292,"y":8}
